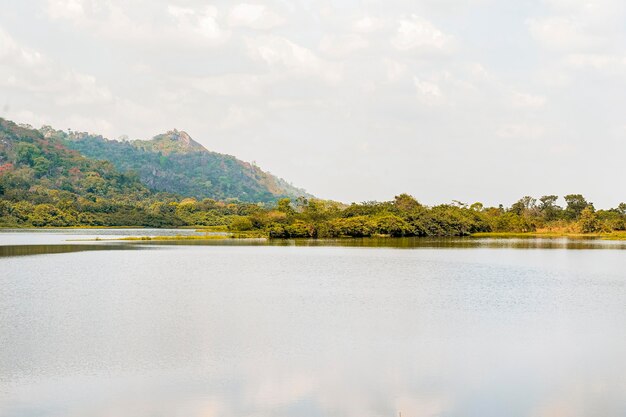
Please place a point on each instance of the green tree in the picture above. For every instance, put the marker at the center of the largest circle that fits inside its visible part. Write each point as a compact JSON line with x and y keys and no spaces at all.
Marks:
{"x":588,"y":222}
{"x":26,"y":153}
{"x":241,"y":224}
{"x":284,"y":205}
{"x":548,"y":207}
{"x":393,"y":226}
{"x":406,"y":203}
{"x":523,"y":205}
{"x":576,"y":203}
{"x":41,"y":165}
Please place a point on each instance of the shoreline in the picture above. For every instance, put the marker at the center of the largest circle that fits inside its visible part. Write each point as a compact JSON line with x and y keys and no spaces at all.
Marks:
{"x":257,"y":234}
{"x":551,"y":235}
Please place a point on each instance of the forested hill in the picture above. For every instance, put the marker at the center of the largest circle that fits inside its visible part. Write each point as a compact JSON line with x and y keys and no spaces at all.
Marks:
{"x":173,"y":162}
{"x":37,"y":168}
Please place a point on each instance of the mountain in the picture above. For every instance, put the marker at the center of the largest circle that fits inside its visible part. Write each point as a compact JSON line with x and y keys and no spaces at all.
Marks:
{"x":35,"y":167}
{"x":173,"y":162}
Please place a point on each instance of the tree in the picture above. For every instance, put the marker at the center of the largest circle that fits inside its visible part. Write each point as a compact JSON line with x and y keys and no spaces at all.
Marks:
{"x":241,"y":224}
{"x":41,"y":165}
{"x":523,"y":205}
{"x":548,"y":207}
{"x":406,"y":202}
{"x":392,"y":225}
{"x":576,"y":203}
{"x":26,"y":153}
{"x":284,"y":205}
{"x":588,"y":222}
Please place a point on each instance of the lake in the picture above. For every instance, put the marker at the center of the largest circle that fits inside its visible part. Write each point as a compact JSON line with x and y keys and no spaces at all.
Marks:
{"x":370,"y":327}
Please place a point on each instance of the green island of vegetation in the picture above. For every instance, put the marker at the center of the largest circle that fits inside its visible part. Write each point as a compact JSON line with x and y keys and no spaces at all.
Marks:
{"x":45,"y":182}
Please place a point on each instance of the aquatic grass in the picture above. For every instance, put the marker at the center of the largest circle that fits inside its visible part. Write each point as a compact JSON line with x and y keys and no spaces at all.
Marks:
{"x":551,"y":234}
{"x":206,"y":236}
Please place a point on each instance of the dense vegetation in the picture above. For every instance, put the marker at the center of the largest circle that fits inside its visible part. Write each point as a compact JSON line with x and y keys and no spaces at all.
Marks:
{"x":175,"y":163}
{"x":404,"y":216}
{"x":32,"y":166}
{"x":43,"y":183}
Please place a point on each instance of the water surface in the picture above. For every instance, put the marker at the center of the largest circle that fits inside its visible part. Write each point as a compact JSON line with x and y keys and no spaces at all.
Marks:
{"x":339,"y":328}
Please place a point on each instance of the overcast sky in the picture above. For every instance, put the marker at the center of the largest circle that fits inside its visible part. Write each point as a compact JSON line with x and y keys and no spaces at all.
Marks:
{"x":473,"y":100}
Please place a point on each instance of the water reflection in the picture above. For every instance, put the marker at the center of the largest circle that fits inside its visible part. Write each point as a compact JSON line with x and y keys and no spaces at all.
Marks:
{"x":413,"y":243}
{"x":25,"y":250}
{"x":201,"y":331}
{"x":49,"y":241}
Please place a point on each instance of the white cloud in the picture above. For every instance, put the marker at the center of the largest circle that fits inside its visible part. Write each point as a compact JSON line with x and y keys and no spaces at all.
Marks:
{"x":585,"y":7}
{"x":342,"y":45}
{"x":128,"y":22}
{"x":26,"y":69}
{"x":604,"y":63}
{"x":230,"y":84}
{"x":281,"y":53}
{"x":417,"y":33}
{"x":198,"y":22}
{"x":254,"y":16}
{"x":368,"y":24}
{"x":527,"y":100}
{"x":84,"y":90}
{"x":11,"y":53}
{"x":394,"y":69}
{"x":520,"y":131}
{"x":65,"y":9}
{"x":563,"y":32}
{"x":238,"y":116}
{"x":428,"y":92}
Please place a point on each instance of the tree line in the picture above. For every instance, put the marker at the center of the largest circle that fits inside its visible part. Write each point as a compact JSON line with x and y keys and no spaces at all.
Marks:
{"x":311,"y":218}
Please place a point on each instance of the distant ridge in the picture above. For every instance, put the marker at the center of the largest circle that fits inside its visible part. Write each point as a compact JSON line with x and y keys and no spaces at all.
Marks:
{"x":170,"y":142}
{"x":34,"y":166}
{"x":173,"y":162}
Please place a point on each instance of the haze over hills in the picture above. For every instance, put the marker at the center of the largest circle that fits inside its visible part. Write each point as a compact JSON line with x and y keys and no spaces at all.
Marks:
{"x":173,"y":162}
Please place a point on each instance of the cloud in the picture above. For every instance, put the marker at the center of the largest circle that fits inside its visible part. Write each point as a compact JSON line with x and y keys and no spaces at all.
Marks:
{"x":417,"y":33}
{"x":428,"y":92}
{"x":394,"y":69}
{"x":563,"y":32}
{"x":65,"y":9}
{"x":29,"y":70}
{"x":39,"y":88}
{"x":254,"y":16}
{"x":198,"y":22}
{"x":11,"y":53}
{"x":520,"y":131}
{"x":342,"y":45}
{"x":368,"y":24}
{"x":602,"y":63}
{"x":527,"y":100}
{"x":279,"y":53}
{"x":238,"y":116}
{"x":230,"y":84}
{"x":128,"y":22}
{"x":83,"y":89}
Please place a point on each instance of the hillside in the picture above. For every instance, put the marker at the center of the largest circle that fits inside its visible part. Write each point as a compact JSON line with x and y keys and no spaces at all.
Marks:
{"x":34,"y":167}
{"x":173,"y":162}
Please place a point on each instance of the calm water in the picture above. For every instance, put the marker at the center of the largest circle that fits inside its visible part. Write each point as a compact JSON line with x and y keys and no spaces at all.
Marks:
{"x":458,"y":327}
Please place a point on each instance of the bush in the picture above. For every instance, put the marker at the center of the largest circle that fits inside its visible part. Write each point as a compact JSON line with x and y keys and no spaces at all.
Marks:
{"x":240,"y":224}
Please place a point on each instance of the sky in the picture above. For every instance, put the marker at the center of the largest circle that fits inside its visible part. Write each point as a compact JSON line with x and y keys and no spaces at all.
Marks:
{"x":469,"y":100}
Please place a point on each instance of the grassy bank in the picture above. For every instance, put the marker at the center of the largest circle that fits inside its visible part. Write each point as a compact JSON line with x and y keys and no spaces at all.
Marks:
{"x":621,"y":235}
{"x":237,"y":235}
